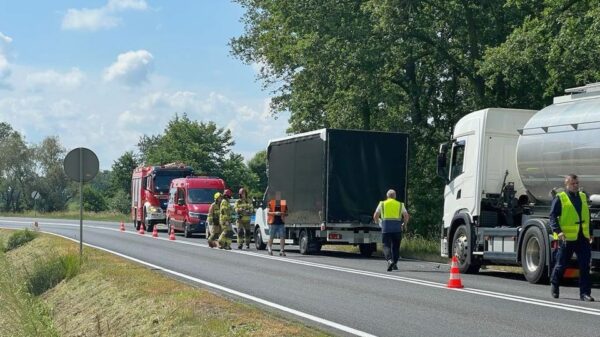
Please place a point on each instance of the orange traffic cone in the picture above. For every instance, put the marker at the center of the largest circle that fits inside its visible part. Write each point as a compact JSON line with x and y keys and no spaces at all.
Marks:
{"x":454,"y":281}
{"x":155,"y":232}
{"x":142,"y":229}
{"x":122,"y":227}
{"x":172,"y":235}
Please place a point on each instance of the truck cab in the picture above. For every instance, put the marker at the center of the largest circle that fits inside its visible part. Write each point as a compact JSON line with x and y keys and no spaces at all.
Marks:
{"x":189,"y":201}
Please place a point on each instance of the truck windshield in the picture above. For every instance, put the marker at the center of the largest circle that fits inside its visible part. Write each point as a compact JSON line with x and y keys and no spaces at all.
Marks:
{"x":201,"y":195}
{"x":162,"y":179}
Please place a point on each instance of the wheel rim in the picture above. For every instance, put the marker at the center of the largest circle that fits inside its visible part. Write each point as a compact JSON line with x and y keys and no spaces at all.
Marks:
{"x":461,"y":248}
{"x":303,"y":243}
{"x":532,"y":254}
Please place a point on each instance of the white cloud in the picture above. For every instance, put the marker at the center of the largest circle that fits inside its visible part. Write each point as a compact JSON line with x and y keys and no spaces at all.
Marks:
{"x":69,"y":80}
{"x":5,"y":70}
{"x":132,"y":68}
{"x":100,"y":18}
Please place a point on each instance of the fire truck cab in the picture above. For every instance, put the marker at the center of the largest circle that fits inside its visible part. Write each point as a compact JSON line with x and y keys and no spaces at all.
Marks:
{"x":150,"y":192}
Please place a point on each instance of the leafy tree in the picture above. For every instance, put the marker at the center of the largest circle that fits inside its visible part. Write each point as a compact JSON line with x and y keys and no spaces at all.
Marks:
{"x":93,"y":200}
{"x":555,"y":48}
{"x":120,"y":202}
{"x":16,"y":169}
{"x":201,"y":145}
{"x":55,"y":188}
{"x":236,"y":174}
{"x":122,"y":169}
{"x":258,"y":165}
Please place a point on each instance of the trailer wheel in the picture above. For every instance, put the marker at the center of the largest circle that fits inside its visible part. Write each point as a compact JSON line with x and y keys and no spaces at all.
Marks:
{"x":258,"y":240}
{"x":303,"y":243}
{"x":367,"y":249}
{"x":461,"y":246}
{"x":533,"y":256}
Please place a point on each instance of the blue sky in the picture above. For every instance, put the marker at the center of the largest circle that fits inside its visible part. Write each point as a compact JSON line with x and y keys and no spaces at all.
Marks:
{"x":100,"y":74}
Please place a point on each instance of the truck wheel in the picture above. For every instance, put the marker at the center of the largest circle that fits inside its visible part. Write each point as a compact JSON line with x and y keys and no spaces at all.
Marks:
{"x":258,"y":240}
{"x":186,"y":230}
{"x":150,"y":227}
{"x":461,"y":245}
{"x":533,"y":256}
{"x":367,"y":249}
{"x":303,"y":243}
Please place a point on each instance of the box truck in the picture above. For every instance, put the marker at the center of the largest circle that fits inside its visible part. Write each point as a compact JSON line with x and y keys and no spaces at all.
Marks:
{"x":332,"y":181}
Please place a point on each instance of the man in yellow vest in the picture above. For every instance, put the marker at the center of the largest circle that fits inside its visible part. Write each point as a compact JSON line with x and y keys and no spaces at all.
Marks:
{"x":394,"y":219}
{"x":570,"y":222}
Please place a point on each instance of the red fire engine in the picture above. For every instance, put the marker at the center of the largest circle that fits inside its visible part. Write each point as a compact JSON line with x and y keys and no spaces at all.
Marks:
{"x":150,"y":192}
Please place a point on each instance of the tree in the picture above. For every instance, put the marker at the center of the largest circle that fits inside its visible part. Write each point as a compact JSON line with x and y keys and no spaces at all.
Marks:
{"x":16,"y":169}
{"x":236,"y":174}
{"x":122,"y":170}
{"x":555,"y":48}
{"x":93,"y":200}
{"x":258,"y":165}
{"x":204,"y":146}
{"x":55,"y":188}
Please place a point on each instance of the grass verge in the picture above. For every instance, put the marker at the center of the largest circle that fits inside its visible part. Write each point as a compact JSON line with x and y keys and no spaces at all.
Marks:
{"x":114,"y":297}
{"x":73,"y":215}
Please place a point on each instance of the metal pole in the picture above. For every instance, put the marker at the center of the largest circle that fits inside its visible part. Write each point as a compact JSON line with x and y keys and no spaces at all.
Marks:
{"x":80,"y":205}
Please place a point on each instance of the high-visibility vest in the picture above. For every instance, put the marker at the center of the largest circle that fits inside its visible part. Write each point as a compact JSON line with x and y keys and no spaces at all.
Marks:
{"x":273,"y":204}
{"x":569,"y":220}
{"x":391,"y":216}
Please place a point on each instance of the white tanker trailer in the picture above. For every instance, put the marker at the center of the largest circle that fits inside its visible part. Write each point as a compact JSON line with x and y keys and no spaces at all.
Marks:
{"x":502,"y":169}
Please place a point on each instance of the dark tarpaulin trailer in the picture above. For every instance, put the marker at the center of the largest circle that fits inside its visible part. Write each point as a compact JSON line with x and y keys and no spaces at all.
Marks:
{"x":336,"y":176}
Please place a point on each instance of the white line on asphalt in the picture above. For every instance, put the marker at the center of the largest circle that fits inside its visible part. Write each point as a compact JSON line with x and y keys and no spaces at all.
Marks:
{"x":234,"y":292}
{"x":481,"y":292}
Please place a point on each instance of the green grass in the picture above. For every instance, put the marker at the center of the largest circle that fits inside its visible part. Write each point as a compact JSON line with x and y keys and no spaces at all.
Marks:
{"x":47,"y":272}
{"x":74,"y":215}
{"x":114,"y":297}
{"x":19,"y":238}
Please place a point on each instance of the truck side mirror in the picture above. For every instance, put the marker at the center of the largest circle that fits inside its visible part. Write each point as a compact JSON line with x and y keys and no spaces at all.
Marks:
{"x":442,"y":164}
{"x":180,"y":201}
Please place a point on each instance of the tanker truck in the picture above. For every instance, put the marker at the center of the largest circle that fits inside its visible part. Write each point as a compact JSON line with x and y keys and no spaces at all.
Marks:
{"x":502,"y":169}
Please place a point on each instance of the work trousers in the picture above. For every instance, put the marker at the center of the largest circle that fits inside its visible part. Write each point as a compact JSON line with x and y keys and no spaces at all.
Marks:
{"x":391,"y":246}
{"x":566,"y":249}
{"x":244,"y":233}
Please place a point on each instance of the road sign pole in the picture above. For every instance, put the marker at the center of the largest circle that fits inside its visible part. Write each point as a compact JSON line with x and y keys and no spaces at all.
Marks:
{"x":80,"y":205}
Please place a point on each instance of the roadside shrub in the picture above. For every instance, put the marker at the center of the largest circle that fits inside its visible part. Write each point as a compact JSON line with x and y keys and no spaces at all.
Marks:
{"x":19,"y":238}
{"x":47,"y":273}
{"x":120,"y":202}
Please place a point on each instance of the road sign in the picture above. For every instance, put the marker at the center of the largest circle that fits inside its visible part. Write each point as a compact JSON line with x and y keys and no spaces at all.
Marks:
{"x":35,"y":195}
{"x":81,"y":164}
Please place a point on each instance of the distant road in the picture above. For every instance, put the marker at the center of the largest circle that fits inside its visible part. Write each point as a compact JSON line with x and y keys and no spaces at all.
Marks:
{"x":351,"y":295}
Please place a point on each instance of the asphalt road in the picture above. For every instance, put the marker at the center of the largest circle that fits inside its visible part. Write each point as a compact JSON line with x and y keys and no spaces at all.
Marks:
{"x":347,"y":294}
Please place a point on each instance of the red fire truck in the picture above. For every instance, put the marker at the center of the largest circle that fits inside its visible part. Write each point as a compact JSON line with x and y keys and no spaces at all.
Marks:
{"x":150,"y":192}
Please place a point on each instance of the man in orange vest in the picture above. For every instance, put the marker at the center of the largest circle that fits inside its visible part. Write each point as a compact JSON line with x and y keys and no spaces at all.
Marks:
{"x":276,"y":219}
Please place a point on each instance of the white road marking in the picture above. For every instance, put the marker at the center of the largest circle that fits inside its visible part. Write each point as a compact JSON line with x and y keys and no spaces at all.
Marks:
{"x":480,"y":292}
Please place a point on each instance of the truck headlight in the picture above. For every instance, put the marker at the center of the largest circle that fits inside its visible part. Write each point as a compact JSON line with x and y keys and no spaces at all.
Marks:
{"x":154,"y":209}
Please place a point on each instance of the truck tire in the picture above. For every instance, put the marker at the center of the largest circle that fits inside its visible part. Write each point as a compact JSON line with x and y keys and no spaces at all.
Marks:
{"x":308,"y":244}
{"x":533,"y":256}
{"x":258,"y":240}
{"x":303,"y":243}
{"x":462,"y":249}
{"x":367,"y":249}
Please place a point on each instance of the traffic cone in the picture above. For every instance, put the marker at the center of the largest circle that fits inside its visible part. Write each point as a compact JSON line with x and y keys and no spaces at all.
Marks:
{"x":172,"y":235}
{"x":122,"y":227}
{"x":142,"y":229}
{"x":454,"y":281}
{"x":155,"y":232}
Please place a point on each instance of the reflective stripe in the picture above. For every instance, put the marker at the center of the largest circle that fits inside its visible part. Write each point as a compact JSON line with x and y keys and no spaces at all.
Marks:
{"x":569,"y":220}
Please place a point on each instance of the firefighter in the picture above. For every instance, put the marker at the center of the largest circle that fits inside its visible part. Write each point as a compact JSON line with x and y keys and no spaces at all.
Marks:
{"x":225,"y":221}
{"x":214,"y":228}
{"x":244,"y":208}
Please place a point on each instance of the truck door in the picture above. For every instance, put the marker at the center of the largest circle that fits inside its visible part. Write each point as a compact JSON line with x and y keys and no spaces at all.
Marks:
{"x":180,"y":208}
{"x":455,"y":195}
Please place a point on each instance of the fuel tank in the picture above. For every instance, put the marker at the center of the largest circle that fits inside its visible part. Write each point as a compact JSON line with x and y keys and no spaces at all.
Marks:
{"x":560,"y":139}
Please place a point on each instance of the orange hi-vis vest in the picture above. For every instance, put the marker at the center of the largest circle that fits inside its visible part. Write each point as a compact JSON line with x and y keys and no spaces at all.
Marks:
{"x":273,"y":204}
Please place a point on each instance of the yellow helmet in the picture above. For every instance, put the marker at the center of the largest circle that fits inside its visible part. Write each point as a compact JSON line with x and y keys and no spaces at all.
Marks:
{"x":217,"y":195}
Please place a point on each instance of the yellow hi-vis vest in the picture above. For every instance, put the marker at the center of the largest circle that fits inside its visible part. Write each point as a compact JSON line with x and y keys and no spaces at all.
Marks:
{"x":569,"y":220}
{"x":391,"y":210}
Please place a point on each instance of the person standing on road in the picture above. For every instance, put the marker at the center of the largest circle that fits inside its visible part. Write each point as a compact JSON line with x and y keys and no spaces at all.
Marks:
{"x":214,"y":229}
{"x":392,"y":224}
{"x":244,"y":208}
{"x":276,"y":219}
{"x":225,"y":221}
{"x":570,"y":222}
